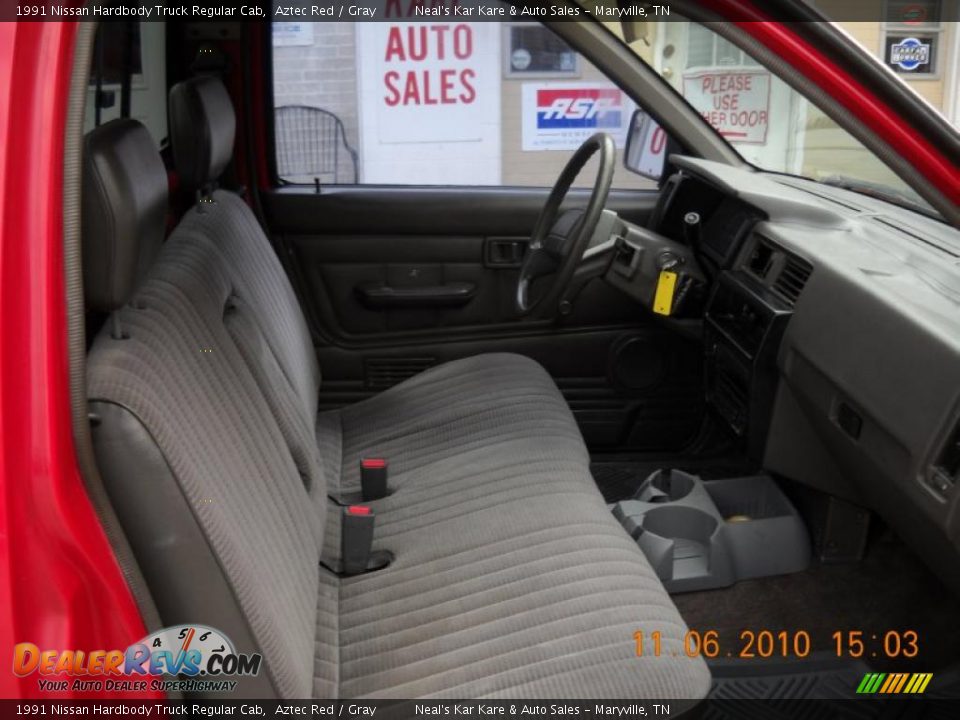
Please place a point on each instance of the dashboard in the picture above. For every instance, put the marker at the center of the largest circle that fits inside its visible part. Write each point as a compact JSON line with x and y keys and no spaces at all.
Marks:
{"x":831,"y":330}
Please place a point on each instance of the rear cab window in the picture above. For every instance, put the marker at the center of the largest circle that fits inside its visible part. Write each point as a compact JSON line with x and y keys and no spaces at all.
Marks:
{"x":140,"y":49}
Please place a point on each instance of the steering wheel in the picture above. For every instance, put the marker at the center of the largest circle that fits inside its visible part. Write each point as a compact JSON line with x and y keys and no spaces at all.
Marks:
{"x":558,"y":243}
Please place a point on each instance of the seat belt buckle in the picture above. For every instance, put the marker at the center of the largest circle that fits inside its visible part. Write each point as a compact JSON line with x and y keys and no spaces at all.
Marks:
{"x":373,"y":478}
{"x":356,"y":538}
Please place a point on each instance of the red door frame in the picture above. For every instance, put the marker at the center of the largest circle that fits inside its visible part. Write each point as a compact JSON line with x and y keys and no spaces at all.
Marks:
{"x":60,"y":585}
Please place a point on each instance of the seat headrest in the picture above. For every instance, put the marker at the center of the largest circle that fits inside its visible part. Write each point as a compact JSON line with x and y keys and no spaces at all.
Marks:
{"x":124,"y":206}
{"x":202,"y":126}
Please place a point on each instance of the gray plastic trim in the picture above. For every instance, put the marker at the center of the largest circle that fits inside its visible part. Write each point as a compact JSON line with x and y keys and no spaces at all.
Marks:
{"x":699,"y":535}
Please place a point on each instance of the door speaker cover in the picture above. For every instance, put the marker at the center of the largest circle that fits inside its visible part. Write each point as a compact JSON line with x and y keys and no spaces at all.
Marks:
{"x":637,"y":362}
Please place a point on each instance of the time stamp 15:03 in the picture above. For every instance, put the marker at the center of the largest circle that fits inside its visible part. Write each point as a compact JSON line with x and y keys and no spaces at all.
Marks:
{"x":782,"y":643}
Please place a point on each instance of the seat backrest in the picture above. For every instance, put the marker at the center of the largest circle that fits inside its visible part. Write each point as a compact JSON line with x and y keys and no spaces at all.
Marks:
{"x":264,"y":316}
{"x":226,"y":528}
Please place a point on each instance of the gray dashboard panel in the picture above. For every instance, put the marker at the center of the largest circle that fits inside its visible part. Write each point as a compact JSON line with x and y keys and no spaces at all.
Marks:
{"x":875,"y":333}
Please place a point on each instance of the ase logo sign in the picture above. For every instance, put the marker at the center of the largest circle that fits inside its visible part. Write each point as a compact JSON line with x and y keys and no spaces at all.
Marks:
{"x":561,"y":115}
{"x":593,"y":108}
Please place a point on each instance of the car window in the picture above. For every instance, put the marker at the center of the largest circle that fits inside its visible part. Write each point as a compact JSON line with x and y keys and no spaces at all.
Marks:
{"x":767,"y":122}
{"x":445,"y":103}
{"x":142,"y":44}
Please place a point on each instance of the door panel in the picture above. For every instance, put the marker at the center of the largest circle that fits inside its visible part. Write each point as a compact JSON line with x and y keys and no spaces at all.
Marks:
{"x":398,"y":279}
{"x":337,"y":265}
{"x":350,"y":239}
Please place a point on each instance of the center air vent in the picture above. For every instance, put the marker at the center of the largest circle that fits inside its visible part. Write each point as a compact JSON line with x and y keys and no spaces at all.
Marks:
{"x":789,"y":283}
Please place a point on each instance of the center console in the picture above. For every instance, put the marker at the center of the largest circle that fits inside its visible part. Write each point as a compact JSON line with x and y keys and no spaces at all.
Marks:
{"x":719,"y":247}
{"x":707,"y":534}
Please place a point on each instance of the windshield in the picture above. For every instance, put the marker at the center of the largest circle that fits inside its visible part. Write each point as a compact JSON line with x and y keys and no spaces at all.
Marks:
{"x":768,"y":123}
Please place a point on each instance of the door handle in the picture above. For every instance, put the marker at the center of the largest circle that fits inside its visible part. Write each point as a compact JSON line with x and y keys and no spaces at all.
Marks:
{"x":505,"y":252}
{"x":376,"y":295}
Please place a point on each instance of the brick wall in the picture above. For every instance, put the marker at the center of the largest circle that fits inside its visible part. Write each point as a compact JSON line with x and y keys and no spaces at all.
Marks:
{"x":321,"y":75}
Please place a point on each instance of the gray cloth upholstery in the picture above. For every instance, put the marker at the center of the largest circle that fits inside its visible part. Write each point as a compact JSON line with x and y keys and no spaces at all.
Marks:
{"x":441,"y":426}
{"x":202,"y":129}
{"x":510,"y":579}
{"x":532,"y":598}
{"x":124,"y":203}
{"x":180,"y":374}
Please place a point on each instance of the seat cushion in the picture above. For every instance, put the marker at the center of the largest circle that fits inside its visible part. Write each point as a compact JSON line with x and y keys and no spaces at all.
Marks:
{"x":511,"y":577}
{"x":527,"y":599}
{"x":441,"y":428}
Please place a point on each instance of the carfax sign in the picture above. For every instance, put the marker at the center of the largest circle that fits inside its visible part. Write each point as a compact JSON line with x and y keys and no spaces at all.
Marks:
{"x":910,"y":54}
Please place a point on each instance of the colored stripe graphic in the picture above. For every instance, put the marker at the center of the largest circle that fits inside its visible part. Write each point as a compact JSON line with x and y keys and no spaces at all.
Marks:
{"x":901,"y":681}
{"x":894,"y":683}
{"x":545,"y":98}
{"x":911,"y":683}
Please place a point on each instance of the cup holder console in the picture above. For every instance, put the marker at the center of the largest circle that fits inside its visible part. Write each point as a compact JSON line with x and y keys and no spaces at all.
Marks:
{"x":666,"y":486}
{"x":700,"y":535}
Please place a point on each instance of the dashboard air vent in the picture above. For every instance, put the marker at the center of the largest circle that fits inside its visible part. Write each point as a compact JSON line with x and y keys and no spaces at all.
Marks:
{"x":789,"y":283}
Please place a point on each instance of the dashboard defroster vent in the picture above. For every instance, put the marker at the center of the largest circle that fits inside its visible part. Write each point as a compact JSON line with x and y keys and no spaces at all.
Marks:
{"x":792,"y":279}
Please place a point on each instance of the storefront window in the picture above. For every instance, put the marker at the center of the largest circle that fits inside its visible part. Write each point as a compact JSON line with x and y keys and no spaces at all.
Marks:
{"x":766,"y":121}
{"x":706,"y":48}
{"x":439,"y":103}
{"x":911,"y":36}
{"x":534,"y":51}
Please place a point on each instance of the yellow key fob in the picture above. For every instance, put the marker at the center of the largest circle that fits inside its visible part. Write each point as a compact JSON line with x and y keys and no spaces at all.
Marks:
{"x":663,"y":298}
